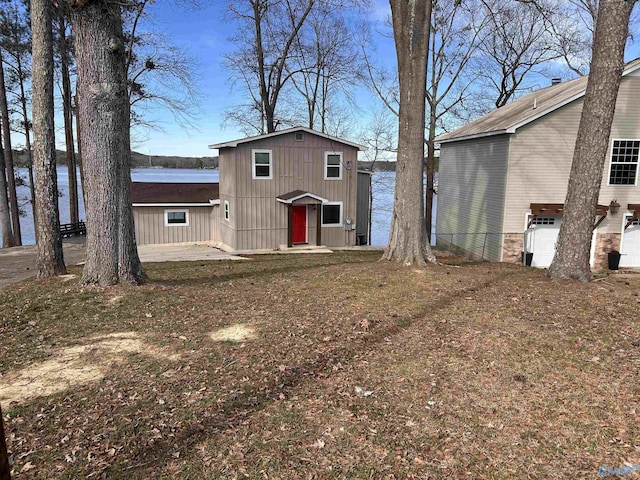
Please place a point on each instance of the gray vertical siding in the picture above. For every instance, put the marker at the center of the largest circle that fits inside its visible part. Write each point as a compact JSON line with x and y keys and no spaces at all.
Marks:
{"x":362,"y":215}
{"x":471,"y":195}
{"x":215,"y":223}
{"x":258,"y":219}
{"x":150,"y":228}
{"x":227,"y":176}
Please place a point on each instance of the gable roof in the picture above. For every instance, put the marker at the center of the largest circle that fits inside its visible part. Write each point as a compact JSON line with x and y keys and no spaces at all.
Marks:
{"x":151,"y":193}
{"x":520,"y":112}
{"x":235,"y":143}
{"x":295,"y":195}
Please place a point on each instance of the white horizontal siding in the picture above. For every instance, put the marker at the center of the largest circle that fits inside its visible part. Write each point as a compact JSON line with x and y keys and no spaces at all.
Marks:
{"x":542,"y":153}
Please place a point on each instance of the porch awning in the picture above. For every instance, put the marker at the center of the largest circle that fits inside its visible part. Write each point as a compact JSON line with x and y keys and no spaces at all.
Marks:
{"x":557,"y":210}
{"x":301,"y":197}
{"x":635,"y":208}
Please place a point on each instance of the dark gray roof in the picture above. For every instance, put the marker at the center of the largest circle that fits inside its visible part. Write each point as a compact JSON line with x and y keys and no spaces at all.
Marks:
{"x":162,"y":193}
{"x":522,"y":111}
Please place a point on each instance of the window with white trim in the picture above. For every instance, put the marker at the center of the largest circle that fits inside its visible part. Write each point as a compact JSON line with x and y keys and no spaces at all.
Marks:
{"x":333,"y":165}
{"x":261,"y":164}
{"x":624,"y":162}
{"x":332,"y":214}
{"x":176,"y":218}
{"x":227,"y":211}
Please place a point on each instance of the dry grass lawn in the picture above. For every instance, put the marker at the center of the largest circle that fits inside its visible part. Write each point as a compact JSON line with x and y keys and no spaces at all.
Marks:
{"x":322,"y":367}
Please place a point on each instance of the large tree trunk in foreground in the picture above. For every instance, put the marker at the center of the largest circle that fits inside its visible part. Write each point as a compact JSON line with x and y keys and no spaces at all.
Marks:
{"x":103,"y":114}
{"x":5,"y":470}
{"x":571,"y":259}
{"x":407,"y":238}
{"x":8,"y":160}
{"x":50,"y":260}
{"x":5,"y":214}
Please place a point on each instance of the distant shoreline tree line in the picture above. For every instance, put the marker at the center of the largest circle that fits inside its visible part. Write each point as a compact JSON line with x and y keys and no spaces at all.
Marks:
{"x":138,"y":160}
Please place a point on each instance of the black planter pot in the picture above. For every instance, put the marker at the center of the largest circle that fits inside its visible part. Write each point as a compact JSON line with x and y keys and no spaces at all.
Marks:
{"x":528,"y":258}
{"x":614,"y":260}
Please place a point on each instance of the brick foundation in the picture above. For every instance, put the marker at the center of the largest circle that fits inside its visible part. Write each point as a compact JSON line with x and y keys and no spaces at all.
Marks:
{"x":605,"y":242}
{"x":512,"y":247}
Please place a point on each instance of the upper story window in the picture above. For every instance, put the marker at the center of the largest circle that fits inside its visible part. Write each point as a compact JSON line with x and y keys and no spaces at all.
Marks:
{"x":176,"y":218}
{"x":333,"y":165}
{"x":261,"y":164}
{"x":624,"y":162}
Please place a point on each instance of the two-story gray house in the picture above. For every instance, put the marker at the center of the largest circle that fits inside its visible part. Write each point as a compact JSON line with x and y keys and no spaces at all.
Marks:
{"x":503,"y":178}
{"x":278,"y":190}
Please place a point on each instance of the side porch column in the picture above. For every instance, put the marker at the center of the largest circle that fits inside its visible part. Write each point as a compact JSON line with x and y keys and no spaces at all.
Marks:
{"x":290,"y":225}
{"x":319,"y":224}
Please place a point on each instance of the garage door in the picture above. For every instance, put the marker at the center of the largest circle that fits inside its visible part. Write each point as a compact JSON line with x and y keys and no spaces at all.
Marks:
{"x":541,"y":238}
{"x":631,"y":246}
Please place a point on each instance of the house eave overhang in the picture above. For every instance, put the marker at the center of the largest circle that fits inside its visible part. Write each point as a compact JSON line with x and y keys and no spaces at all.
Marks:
{"x":542,"y":113}
{"x":634,"y":67}
{"x":209,"y":204}
{"x":235,"y":143}
{"x":470,"y":137}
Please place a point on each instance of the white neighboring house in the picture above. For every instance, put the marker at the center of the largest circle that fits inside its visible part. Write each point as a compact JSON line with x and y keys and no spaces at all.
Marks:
{"x":503,"y":178}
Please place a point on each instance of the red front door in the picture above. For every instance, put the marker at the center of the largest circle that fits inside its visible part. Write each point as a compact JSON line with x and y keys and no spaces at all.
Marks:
{"x":299,"y":227}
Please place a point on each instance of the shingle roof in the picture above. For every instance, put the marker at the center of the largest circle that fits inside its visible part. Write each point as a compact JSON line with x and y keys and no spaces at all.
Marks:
{"x":522,"y":111}
{"x":291,"y":197}
{"x":179,"y":193}
{"x":235,"y":143}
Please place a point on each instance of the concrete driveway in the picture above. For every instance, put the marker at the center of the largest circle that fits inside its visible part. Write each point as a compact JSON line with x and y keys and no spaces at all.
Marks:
{"x":182,"y":253}
{"x":18,"y":263}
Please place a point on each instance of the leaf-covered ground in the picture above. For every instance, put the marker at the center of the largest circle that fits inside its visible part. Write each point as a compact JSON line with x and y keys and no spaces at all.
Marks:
{"x":322,"y":366}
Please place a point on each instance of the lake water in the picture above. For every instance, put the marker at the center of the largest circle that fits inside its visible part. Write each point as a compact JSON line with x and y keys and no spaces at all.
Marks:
{"x":382,"y":184}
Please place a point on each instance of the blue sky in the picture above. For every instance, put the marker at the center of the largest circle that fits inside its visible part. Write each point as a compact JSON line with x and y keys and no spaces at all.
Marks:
{"x":203,"y":33}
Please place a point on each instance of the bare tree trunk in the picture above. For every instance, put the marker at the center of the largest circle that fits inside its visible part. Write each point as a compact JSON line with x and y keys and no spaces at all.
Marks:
{"x":79,"y":154}
{"x":5,"y":469}
{"x":27,"y":140}
{"x":5,"y":215}
{"x":103,"y":112}
{"x":571,"y":259}
{"x":407,"y":237}
{"x":50,"y":260}
{"x":130,"y":268}
{"x":8,"y":159}
{"x":68,"y":119}
{"x":430,"y":165}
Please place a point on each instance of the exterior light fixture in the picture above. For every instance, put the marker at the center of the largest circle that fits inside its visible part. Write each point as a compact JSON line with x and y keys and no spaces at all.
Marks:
{"x":614,"y":206}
